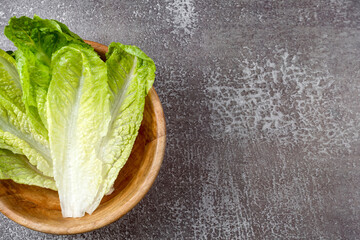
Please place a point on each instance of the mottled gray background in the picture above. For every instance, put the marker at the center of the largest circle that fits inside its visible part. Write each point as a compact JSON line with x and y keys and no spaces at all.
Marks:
{"x":262,"y":103}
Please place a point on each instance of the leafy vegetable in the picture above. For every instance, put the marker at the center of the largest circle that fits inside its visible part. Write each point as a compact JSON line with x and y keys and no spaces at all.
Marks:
{"x":130,"y":75}
{"x":78,"y":108}
{"x":16,"y":132}
{"x":17,"y":167}
{"x":37,"y":39}
{"x":65,"y":113}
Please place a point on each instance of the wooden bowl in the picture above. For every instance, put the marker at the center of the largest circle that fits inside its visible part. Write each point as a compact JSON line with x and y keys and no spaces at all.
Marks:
{"x":39,"y":208}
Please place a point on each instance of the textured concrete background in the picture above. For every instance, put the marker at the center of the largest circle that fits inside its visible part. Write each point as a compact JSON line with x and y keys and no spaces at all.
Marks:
{"x":262,"y":106}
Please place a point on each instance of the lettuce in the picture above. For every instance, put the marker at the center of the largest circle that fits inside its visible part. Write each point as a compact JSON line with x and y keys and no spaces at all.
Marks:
{"x":68,"y":120}
{"x":17,"y":168}
{"x":16,"y":132}
{"x":37,"y":39}
{"x":131,"y":74}
{"x":78,"y":108}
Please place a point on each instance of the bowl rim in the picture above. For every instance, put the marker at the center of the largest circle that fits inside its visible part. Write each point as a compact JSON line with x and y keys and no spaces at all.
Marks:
{"x":133,"y":201}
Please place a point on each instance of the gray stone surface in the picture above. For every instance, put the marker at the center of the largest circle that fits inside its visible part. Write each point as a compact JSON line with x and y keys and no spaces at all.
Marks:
{"x":263,"y":117}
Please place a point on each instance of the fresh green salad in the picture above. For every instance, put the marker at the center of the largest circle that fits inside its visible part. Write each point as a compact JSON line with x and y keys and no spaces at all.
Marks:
{"x":68,"y":120}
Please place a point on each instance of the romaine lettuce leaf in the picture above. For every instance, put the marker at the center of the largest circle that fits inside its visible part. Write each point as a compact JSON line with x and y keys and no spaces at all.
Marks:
{"x":131,"y":74}
{"x":16,"y":132}
{"x":65,"y":113}
{"x":78,"y":117}
{"x":37,"y":39}
{"x":17,"y":168}
{"x":94,"y":114}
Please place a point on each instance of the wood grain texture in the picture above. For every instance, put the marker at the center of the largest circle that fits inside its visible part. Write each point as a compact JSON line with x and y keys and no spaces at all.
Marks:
{"x":39,"y":209}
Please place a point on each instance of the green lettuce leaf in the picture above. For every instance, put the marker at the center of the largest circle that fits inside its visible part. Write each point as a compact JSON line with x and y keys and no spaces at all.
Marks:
{"x":131,"y":74}
{"x":33,"y":95}
{"x":66,"y":114}
{"x":37,"y":39}
{"x":17,"y":168}
{"x":16,"y":132}
{"x":78,"y":116}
